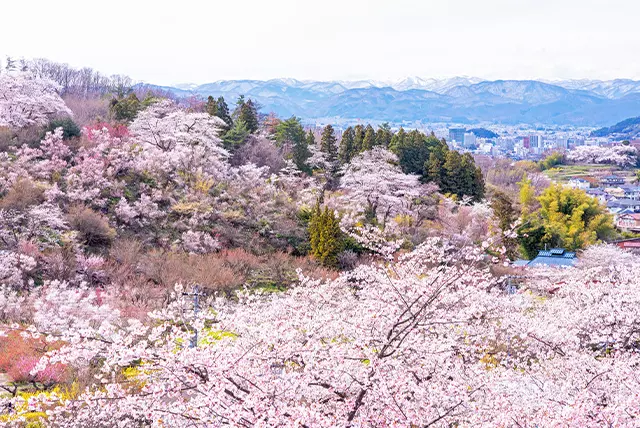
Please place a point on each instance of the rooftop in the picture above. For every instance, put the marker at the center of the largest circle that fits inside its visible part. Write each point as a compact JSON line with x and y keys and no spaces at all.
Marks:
{"x":552,"y":257}
{"x":623,"y":203}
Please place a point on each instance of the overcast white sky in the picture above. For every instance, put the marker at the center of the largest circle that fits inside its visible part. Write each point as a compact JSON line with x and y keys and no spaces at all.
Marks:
{"x":201,"y":41}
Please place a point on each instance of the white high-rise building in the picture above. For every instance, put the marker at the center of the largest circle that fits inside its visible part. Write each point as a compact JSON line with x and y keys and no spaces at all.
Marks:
{"x":469,"y":139}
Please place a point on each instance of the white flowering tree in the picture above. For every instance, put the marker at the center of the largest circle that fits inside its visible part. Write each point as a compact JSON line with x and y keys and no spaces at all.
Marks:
{"x":173,"y":140}
{"x":428,"y":340}
{"x":624,"y":156}
{"x":26,"y":100}
{"x":374,"y":185}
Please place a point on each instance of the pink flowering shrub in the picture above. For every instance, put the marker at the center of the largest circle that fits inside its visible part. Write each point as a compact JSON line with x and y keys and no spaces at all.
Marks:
{"x":19,"y":355}
{"x":116,"y":130}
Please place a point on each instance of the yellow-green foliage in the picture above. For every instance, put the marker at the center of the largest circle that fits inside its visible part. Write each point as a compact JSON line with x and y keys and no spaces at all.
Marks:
{"x":403,"y":220}
{"x":31,"y":419}
{"x":572,"y":219}
{"x":202,"y":185}
{"x":325,"y":236}
{"x":527,"y":194}
{"x":209,"y":336}
{"x":187,"y":207}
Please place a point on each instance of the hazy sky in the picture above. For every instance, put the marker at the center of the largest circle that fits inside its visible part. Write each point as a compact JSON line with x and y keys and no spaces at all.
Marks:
{"x":202,"y":41}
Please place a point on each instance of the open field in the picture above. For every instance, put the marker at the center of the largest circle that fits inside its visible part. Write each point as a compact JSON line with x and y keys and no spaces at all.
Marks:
{"x":564,"y":173}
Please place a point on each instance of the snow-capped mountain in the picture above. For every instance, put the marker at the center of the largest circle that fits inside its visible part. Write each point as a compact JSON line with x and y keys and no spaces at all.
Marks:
{"x":611,"y":89}
{"x":458,"y":99}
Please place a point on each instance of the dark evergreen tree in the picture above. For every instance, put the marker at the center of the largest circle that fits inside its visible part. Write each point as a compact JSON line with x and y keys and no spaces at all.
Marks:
{"x":248,"y":113}
{"x":328,"y":144}
{"x":434,"y":169}
{"x":290,"y":132}
{"x":125,"y":109}
{"x":369,"y":140}
{"x":222,"y":111}
{"x":506,"y":215}
{"x":212,"y":106}
{"x":413,"y":151}
{"x":346,"y":151}
{"x":478,"y":185}
{"x":383,"y":135}
{"x":236,"y":136}
{"x":358,"y":138}
{"x":452,"y":177}
{"x":397,"y":140}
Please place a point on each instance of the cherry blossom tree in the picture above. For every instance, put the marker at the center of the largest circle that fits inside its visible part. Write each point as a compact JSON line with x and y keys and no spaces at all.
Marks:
{"x":623,"y":156}
{"x":27,"y":100}
{"x":430,"y":339}
{"x":174,"y":139}
{"x":374,"y":185}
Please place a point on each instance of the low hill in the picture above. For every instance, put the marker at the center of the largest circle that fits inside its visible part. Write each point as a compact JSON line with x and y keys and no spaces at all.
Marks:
{"x":483,"y":133}
{"x":627,"y":129}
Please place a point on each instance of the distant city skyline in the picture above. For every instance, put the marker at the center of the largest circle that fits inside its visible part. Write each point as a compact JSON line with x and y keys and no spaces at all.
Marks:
{"x":198,"y":42}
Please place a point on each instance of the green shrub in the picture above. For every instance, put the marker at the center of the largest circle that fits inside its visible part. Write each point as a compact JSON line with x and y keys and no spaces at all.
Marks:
{"x":69,"y":128}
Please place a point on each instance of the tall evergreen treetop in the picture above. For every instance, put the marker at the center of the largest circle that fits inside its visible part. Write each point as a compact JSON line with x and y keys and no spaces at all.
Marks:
{"x":369,"y":140}
{"x":383,"y":135}
{"x":222,"y":111}
{"x":346,"y":149}
{"x":248,"y":113}
{"x":291,"y":132}
{"x":358,"y":138}
{"x":212,"y":106}
{"x":328,"y":144}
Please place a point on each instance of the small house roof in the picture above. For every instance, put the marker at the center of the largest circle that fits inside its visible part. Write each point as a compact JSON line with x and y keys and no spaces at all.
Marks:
{"x":552,"y":257}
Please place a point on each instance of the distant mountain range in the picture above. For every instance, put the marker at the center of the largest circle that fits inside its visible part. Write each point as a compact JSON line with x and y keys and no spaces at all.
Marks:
{"x":456,"y":100}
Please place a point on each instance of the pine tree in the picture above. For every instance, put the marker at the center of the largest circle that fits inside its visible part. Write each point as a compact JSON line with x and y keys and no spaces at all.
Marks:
{"x":236,"y":136}
{"x":325,"y":236}
{"x":369,"y":140}
{"x":467,"y":176}
{"x":383,"y":135}
{"x":300,"y":154}
{"x":290,"y":132}
{"x":212,"y":106}
{"x":328,"y":144}
{"x":249,"y":115}
{"x":397,"y":140}
{"x":125,"y":109}
{"x":434,"y":169}
{"x":452,"y":173}
{"x":358,"y":138}
{"x":345,"y":151}
{"x":478,"y":190}
{"x":222,"y":111}
{"x":506,"y":215}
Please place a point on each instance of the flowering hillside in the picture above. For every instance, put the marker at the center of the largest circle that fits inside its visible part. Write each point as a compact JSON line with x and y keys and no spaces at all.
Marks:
{"x":179,"y":264}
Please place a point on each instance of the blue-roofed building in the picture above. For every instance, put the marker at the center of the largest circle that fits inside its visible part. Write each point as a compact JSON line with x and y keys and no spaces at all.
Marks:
{"x":555,"y":257}
{"x":612,"y":180}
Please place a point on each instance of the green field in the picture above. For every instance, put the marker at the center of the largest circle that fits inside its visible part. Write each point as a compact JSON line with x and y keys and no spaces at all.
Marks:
{"x":564,"y":173}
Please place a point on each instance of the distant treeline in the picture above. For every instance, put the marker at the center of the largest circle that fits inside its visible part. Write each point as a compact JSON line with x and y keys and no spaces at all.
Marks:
{"x":82,"y":82}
